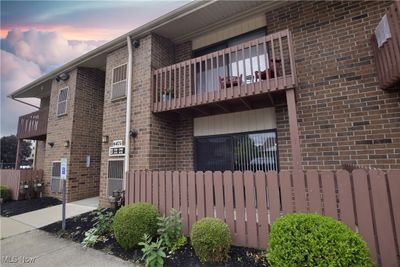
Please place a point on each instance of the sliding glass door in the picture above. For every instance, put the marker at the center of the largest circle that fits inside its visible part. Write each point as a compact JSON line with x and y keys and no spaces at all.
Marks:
{"x":240,"y":151}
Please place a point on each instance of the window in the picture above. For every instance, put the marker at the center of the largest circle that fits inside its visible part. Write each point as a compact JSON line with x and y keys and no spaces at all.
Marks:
{"x":56,"y":183}
{"x":242,"y":151}
{"x":115,"y":176}
{"x":235,"y":64}
{"x":62,"y":102}
{"x":118,"y":82}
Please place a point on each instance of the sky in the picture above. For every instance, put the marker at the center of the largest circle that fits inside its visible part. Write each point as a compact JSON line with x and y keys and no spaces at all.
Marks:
{"x":38,"y":36}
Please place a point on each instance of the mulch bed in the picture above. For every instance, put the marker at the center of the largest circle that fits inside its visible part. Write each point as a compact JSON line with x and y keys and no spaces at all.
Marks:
{"x":15,"y":207}
{"x":77,"y":226}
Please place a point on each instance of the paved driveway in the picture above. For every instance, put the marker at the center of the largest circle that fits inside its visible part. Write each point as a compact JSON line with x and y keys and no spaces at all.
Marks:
{"x":38,"y":248}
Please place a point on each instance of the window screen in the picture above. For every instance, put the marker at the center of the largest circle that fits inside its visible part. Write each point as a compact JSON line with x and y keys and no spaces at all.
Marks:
{"x":119,"y":82}
{"x":56,"y":183}
{"x":243,"y":151}
{"x":62,"y":102}
{"x":115,"y":175}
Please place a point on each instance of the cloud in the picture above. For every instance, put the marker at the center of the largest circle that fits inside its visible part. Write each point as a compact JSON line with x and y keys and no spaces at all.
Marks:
{"x":47,"y":49}
{"x":25,"y":56}
{"x":15,"y":72}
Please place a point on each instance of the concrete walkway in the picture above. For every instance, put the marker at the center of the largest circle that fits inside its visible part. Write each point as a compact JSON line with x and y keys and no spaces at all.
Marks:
{"x":38,"y":248}
{"x":35,"y":219}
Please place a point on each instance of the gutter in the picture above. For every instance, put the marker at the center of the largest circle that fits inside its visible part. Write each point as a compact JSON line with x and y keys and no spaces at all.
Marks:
{"x":128,"y":111}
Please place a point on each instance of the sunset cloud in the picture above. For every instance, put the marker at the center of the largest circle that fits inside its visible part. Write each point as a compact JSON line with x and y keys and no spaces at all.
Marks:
{"x":38,"y":36}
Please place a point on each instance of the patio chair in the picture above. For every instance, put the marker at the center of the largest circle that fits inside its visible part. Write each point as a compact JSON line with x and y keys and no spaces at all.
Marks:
{"x":271,"y":74}
{"x":230,"y":81}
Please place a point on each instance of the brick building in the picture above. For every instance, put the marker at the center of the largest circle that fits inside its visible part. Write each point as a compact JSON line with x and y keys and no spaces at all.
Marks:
{"x":216,"y":86}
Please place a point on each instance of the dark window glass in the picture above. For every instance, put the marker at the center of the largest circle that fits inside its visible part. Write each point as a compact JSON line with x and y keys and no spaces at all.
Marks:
{"x":243,"y":151}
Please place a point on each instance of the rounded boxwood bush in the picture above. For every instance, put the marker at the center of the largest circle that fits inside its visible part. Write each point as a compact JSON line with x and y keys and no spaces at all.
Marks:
{"x":211,"y":240}
{"x":5,"y":193}
{"x":133,"y":221}
{"x":315,"y":240}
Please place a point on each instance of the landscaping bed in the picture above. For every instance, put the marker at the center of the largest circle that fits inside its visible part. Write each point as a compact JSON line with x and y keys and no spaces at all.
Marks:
{"x":77,"y":226}
{"x":15,"y":207}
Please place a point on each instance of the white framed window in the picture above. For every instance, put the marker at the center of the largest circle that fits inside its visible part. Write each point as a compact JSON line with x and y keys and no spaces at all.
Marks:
{"x":62,"y":101}
{"x":56,"y":182}
{"x":115,"y":175}
{"x":118,"y":87}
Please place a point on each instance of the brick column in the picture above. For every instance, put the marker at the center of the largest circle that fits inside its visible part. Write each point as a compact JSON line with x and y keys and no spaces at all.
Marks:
{"x":294,"y":129}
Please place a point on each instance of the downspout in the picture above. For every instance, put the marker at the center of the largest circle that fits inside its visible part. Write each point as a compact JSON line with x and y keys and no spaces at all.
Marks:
{"x":128,"y":111}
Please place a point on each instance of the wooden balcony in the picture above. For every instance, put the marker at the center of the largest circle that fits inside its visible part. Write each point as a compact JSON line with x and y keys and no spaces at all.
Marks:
{"x":387,"y":57}
{"x":259,"y":66}
{"x":33,"y":125}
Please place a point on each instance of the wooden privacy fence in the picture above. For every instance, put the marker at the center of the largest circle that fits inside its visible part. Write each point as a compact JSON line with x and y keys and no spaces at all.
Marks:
{"x":368,"y":202}
{"x":12,"y":179}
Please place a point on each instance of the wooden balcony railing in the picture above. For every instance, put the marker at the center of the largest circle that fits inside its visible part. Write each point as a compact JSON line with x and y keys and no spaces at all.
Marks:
{"x":33,"y":125}
{"x":255,"y":67}
{"x":387,"y":57}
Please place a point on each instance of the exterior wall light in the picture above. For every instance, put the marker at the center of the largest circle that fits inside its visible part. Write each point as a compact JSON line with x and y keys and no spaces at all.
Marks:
{"x":51,"y":144}
{"x":62,"y":77}
{"x":133,"y":133}
{"x":104,"y":139}
{"x":66,"y":143}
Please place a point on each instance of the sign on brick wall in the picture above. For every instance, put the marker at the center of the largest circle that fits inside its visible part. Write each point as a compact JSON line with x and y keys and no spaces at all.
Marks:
{"x":117,"y":149}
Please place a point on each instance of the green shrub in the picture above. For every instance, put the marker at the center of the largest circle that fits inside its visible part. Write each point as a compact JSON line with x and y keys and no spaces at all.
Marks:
{"x":133,"y":221}
{"x":211,"y":240}
{"x":5,"y":193}
{"x":170,"y":228}
{"x":153,"y":252}
{"x":315,"y":240}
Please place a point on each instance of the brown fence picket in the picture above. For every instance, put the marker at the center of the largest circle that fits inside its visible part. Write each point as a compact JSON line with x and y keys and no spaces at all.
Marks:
{"x":228,"y":195}
{"x":346,"y":205}
{"x":162,"y":199}
{"x":219,"y":195}
{"x":156,"y":189}
{"x":137,"y":186}
{"x":286,"y":192}
{"x":239,"y":208}
{"x":175,"y":190}
{"x":200,"y":195}
{"x":149,"y":184}
{"x":142,"y":186}
{"x":383,"y":220}
{"x":192,"y":198}
{"x":250,"y":199}
{"x":394,"y":187}
{"x":184,"y":201}
{"x":273,"y":196}
{"x":299,"y":190}
{"x":314,"y":192}
{"x":209,"y":195}
{"x":363,"y":211}
{"x":168,"y":191}
{"x":329,"y":194}
{"x":262,"y":212}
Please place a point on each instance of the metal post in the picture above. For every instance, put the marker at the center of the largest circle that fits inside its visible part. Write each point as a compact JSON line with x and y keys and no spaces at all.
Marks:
{"x":63,"y":203}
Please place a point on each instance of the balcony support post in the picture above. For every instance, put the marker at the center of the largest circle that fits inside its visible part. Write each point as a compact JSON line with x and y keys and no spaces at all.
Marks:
{"x":294,"y":129}
{"x":18,"y":155}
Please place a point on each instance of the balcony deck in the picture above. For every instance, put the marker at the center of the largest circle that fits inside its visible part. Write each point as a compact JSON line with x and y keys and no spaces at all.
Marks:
{"x":259,"y":66}
{"x":33,"y":125}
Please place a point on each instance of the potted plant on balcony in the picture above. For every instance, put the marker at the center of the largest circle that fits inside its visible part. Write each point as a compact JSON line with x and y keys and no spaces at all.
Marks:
{"x":168,"y":93}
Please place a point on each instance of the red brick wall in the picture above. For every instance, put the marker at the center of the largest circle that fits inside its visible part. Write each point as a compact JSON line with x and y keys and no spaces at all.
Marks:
{"x":344,"y":117}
